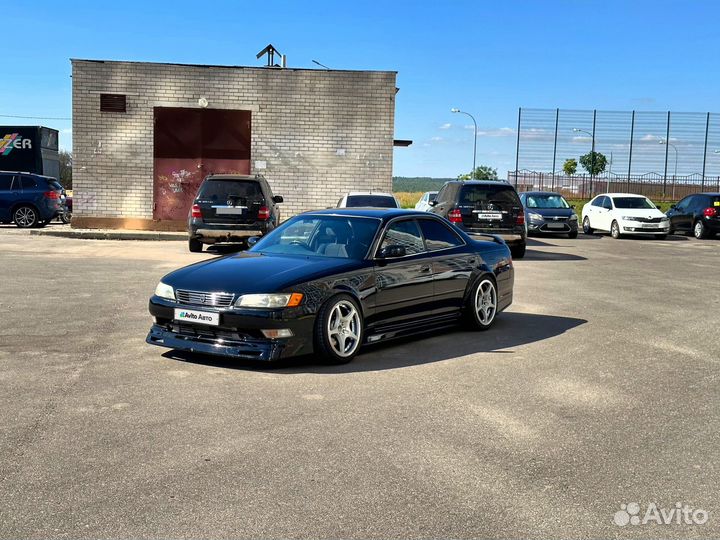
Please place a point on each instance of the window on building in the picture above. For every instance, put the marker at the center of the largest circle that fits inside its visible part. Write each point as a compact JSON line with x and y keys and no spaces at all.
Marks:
{"x":113,"y":103}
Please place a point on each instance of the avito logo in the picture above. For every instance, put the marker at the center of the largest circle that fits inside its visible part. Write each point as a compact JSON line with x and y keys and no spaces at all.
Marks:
{"x":13,"y":140}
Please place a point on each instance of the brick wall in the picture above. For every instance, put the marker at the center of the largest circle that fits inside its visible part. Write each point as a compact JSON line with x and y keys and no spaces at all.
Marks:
{"x":321,"y":133}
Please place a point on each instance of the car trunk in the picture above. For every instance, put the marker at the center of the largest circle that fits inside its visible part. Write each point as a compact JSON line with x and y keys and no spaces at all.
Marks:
{"x":230,"y":201}
{"x":489,"y":207}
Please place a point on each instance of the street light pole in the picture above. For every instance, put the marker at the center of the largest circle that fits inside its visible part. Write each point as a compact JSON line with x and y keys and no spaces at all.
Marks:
{"x":454,"y":110}
{"x":592,"y":155}
{"x":665,"y":141}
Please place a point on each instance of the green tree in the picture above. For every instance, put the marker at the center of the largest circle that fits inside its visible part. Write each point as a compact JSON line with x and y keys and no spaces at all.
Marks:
{"x":570,"y":166}
{"x":593,"y":162}
{"x":65,"y":169}
{"x":483,"y":172}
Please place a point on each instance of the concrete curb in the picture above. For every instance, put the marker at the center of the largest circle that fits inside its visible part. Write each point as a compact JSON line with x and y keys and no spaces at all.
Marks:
{"x":113,"y":235}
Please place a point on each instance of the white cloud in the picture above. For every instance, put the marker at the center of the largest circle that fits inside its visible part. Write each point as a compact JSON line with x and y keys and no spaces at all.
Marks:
{"x":446,"y":125}
{"x":66,"y":131}
{"x":650,"y":137}
{"x":436,"y":139}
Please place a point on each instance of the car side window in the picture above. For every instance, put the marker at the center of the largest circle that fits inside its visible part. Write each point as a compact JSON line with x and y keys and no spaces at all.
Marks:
{"x":441,"y":194}
{"x":438,"y":236}
{"x":698,"y":202}
{"x":27,"y":183}
{"x":598,"y":201}
{"x":607,"y":203}
{"x":6,"y":182}
{"x":684,"y":204}
{"x":404,"y":233}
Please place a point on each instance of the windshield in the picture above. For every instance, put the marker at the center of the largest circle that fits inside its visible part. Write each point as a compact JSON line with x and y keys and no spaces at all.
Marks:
{"x":546,"y":201}
{"x":221,"y":190}
{"x":377,"y":201}
{"x":321,"y":236}
{"x":632,"y":202}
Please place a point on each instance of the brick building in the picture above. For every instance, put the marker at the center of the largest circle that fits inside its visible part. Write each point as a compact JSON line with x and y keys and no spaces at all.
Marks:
{"x":146,"y":134}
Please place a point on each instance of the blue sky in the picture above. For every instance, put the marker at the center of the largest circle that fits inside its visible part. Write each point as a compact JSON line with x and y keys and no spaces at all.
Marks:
{"x":488,"y":58}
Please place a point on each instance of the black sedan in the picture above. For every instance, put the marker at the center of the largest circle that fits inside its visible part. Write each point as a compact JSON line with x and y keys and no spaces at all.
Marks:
{"x":327,"y":282}
{"x":547,"y":212}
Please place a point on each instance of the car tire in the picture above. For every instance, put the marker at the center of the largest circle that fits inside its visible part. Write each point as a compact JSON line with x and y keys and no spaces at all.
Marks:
{"x":66,"y":217}
{"x":195,"y":245}
{"x":518,"y":252}
{"x":339,"y":320}
{"x":587,"y":229}
{"x":699,"y":230}
{"x":25,"y":217}
{"x":573,"y":234}
{"x":615,"y":230}
{"x":481,"y":307}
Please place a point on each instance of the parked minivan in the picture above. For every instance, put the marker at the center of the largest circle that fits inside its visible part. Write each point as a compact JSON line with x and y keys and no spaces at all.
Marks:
{"x":29,"y":200}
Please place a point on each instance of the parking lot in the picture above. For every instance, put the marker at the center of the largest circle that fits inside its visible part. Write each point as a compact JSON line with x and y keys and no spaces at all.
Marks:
{"x":599,"y":387}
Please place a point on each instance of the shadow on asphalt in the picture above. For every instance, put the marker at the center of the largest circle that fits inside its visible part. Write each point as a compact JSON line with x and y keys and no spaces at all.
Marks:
{"x":535,"y":255}
{"x":510,"y":330}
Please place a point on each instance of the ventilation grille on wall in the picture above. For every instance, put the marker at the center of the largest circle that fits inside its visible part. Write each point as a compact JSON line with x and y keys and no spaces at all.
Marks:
{"x":113,"y":103}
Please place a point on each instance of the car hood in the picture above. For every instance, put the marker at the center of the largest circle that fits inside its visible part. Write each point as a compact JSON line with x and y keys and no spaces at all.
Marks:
{"x":562,"y":212}
{"x":256,"y":273}
{"x":639,"y":212}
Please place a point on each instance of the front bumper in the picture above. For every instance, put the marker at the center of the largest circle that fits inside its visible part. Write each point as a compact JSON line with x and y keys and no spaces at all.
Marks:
{"x":237,"y":336}
{"x":551,"y":227}
{"x":629,"y":227}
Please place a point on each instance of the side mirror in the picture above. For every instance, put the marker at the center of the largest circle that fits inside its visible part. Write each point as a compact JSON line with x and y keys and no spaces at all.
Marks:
{"x":673,"y":206}
{"x":392,"y":252}
{"x":433,"y":203}
{"x":278,"y":199}
{"x":252,"y":240}
{"x":572,"y":206}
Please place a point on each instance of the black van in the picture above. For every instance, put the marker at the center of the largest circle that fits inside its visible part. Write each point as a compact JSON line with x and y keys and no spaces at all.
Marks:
{"x":232,"y":208}
{"x":484,"y":206}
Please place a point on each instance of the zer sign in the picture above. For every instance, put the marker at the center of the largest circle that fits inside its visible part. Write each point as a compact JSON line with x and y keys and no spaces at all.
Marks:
{"x":13,"y":140}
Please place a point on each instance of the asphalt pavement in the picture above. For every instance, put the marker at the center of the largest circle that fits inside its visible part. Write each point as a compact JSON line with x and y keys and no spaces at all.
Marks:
{"x":598,"y":388}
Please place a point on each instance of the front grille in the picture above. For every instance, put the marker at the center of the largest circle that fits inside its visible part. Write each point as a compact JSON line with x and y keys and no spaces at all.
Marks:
{"x":648,"y":220}
{"x":211,"y":333}
{"x":199,"y":298}
{"x":556,"y":219}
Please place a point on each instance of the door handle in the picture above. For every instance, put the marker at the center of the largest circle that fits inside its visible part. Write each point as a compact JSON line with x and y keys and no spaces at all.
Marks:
{"x":425,"y":269}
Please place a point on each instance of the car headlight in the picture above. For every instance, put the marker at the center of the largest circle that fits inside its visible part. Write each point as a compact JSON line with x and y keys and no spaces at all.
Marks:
{"x":573,"y":217}
{"x":535,"y":217}
{"x":269,"y":300}
{"x":664,"y":219}
{"x":163,"y":290}
{"x":629,"y":218}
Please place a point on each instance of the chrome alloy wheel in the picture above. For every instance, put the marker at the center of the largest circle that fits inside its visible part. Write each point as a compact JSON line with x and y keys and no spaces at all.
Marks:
{"x":486,"y":302}
{"x":343,"y":328}
{"x":25,"y":217}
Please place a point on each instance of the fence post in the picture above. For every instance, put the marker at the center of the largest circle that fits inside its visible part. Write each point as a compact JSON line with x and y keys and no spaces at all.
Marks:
{"x":632,"y":135}
{"x":707,"y":127}
{"x":667,"y":149}
{"x":557,"y":117}
{"x":517,"y":148}
{"x":592,"y":155}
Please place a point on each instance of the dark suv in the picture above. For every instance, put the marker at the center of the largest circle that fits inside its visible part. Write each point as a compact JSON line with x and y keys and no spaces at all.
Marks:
{"x":484,"y":206}
{"x":29,"y":200}
{"x":698,"y":214}
{"x":232,"y":208}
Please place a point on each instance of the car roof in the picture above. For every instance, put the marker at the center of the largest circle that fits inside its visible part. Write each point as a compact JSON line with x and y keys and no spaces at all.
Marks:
{"x":480,"y":182}
{"x":540,"y":193}
{"x":256,"y":177}
{"x":710,"y":193}
{"x":623,"y":195}
{"x":30,"y":174}
{"x":381,"y":213}
{"x":366,"y":193}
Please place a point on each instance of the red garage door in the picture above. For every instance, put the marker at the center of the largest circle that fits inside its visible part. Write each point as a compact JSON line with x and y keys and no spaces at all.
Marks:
{"x":189,"y":145}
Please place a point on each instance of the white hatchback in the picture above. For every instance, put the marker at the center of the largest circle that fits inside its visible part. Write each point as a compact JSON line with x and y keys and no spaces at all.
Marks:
{"x":624,"y":214}
{"x":424,"y":203}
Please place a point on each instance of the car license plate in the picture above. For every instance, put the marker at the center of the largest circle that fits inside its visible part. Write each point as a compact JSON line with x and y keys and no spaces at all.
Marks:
{"x":489,"y":215}
{"x":232,"y":210}
{"x":555,"y":226}
{"x":650,"y":226}
{"x":197,"y":317}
